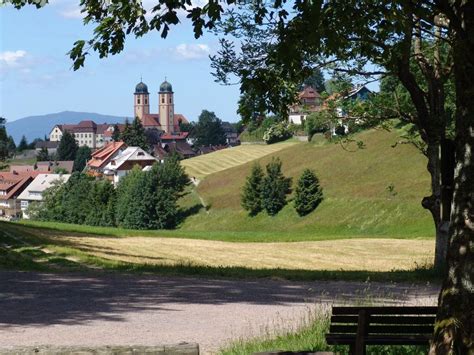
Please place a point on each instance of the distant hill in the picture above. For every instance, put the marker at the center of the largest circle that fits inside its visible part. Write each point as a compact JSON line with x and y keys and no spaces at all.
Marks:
{"x":37,"y":126}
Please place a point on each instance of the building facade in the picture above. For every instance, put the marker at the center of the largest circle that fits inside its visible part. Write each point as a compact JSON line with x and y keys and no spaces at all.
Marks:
{"x":309,"y":101}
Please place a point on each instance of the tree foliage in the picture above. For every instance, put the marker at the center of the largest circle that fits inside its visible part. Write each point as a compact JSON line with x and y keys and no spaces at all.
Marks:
{"x":251,"y":198}
{"x":308,"y":193}
{"x":116,"y":133}
{"x":275,"y":188}
{"x":134,"y":135}
{"x":4,"y":151}
{"x":82,"y":156}
{"x":208,"y":130}
{"x":23,"y":144}
{"x":277,"y":132}
{"x":43,"y":155}
{"x":316,"y":80}
{"x":67,"y":147}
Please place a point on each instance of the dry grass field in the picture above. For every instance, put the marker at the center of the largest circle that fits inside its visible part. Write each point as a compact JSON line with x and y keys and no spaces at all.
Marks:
{"x":350,"y":255}
{"x":204,"y":165}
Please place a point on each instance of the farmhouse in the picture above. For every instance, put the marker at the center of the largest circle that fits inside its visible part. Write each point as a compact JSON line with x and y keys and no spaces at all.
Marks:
{"x":34,"y":191}
{"x":125,"y":161}
{"x":309,"y":100}
{"x":11,"y":185}
{"x":103,"y":156}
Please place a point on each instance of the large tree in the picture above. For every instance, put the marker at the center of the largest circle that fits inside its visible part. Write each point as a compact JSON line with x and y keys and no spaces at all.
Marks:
{"x":67,"y":147}
{"x":3,"y":140}
{"x":208,"y":130}
{"x":387,"y":33}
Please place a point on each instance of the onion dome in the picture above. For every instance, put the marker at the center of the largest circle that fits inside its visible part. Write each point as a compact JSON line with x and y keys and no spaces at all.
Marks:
{"x":166,"y":87}
{"x":141,"y":88}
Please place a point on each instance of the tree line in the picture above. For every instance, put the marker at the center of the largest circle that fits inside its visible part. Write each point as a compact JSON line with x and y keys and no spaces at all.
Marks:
{"x":142,"y":200}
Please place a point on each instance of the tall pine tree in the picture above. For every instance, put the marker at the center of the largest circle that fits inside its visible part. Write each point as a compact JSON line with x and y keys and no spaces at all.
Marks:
{"x":68,"y":147}
{"x":308,"y":193}
{"x":275,"y":188}
{"x":251,"y":198}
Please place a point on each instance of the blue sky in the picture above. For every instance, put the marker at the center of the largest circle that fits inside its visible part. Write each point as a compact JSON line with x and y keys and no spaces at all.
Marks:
{"x":36,"y":76}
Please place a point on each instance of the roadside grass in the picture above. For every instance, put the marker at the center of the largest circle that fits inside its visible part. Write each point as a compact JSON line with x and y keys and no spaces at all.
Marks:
{"x":308,"y":337}
{"x":207,"y":164}
{"x":59,"y":250}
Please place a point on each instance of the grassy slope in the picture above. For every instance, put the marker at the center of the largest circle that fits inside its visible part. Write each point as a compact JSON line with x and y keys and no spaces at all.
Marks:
{"x":357,"y":202}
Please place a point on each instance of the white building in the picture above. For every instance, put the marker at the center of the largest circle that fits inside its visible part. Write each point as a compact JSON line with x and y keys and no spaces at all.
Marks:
{"x":34,"y":191}
{"x":126,"y":161}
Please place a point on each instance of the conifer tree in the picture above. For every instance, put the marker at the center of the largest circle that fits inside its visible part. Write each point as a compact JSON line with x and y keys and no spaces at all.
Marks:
{"x":42,"y":155}
{"x":251,"y":198}
{"x":134,"y":134}
{"x":23,"y":144}
{"x":309,"y":193}
{"x":116,"y":134}
{"x":275,"y":187}
{"x":68,"y":147}
{"x":82,"y":156}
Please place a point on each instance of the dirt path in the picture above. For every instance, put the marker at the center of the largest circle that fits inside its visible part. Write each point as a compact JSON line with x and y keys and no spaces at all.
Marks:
{"x":106,"y":309}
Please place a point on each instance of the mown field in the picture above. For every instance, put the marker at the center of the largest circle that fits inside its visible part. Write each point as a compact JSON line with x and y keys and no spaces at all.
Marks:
{"x":204,"y":165}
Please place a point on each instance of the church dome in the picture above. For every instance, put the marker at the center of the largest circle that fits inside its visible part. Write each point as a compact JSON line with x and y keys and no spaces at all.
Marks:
{"x":166,"y":87}
{"x":141,"y":88}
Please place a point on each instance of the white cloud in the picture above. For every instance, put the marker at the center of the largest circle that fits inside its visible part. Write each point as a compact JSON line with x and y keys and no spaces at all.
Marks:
{"x":12,"y":59}
{"x":72,"y":13}
{"x":191,"y":51}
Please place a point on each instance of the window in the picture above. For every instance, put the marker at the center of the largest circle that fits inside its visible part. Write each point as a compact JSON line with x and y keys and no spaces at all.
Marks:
{"x":146,"y":101}
{"x":162,"y":100}
{"x":170,"y":99}
{"x":138,"y":100}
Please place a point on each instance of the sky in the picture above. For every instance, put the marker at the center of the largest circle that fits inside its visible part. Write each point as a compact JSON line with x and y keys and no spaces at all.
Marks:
{"x":36,"y":75}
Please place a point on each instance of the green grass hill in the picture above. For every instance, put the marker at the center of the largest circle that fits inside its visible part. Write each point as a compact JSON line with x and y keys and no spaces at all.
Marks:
{"x":371,"y":192}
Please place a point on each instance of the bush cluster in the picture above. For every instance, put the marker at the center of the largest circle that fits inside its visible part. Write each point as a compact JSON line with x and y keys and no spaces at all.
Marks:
{"x":142,"y":200}
{"x":277,"y":132}
{"x":268,"y":191}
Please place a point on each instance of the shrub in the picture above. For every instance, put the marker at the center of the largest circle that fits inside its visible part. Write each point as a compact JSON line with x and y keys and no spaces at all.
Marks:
{"x":251,"y":198}
{"x":276,"y":133}
{"x":275,"y":187}
{"x":317,"y":122}
{"x":308,"y":193}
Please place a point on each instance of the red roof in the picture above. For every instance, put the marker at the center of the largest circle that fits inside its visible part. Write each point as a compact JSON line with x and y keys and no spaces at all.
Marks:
{"x":308,"y":93}
{"x":174,"y":136}
{"x":153,"y":120}
{"x":102,"y":156}
{"x":14,"y":183}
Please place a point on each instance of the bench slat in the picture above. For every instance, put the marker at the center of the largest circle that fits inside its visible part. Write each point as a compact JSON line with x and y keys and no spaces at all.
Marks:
{"x":384,"y":329}
{"x":376,"y":319}
{"x":384,"y":310}
{"x":345,"y":339}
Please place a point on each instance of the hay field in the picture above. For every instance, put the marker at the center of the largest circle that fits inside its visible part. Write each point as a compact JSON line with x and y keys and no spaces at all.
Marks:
{"x":207,"y":164}
{"x":355,"y":254}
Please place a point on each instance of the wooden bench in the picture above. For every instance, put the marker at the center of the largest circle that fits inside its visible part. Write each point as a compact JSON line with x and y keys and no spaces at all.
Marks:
{"x":361,"y":326}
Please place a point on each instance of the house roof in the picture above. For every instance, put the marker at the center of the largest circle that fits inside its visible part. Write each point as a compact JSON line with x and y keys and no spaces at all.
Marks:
{"x":308,"y":93}
{"x":13,"y":183}
{"x":133,"y":154}
{"x":153,"y":120}
{"x":101,"y":157}
{"x":45,"y":166}
{"x":174,"y":136}
{"x":40,"y":184}
{"x":21,"y":168}
{"x":47,"y":144}
{"x":86,"y":126}
{"x":356,"y":90}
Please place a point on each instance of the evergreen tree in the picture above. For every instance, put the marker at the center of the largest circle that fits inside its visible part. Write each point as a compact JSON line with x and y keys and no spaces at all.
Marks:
{"x":82,"y":156}
{"x":67,"y":148}
{"x":275,"y":187}
{"x":208,"y":130}
{"x":316,"y":80}
{"x":23,"y":144}
{"x":134,"y":135}
{"x":42,"y":155}
{"x":251,"y":198}
{"x":4,"y":151}
{"x":308,"y":193}
{"x":116,"y":133}
{"x":11,"y":146}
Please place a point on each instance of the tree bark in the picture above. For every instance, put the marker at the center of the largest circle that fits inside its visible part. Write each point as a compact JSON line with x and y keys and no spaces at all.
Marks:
{"x":454,"y":327}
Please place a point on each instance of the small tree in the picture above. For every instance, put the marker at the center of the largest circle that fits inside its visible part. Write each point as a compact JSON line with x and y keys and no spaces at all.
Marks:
{"x":23,"y":144}
{"x":251,"y":198}
{"x":134,"y":134}
{"x":82,"y":156}
{"x":11,"y":146}
{"x":67,"y":148}
{"x":275,"y":187}
{"x":116,"y":133}
{"x":309,"y":193}
{"x":42,"y":155}
{"x":208,"y":130}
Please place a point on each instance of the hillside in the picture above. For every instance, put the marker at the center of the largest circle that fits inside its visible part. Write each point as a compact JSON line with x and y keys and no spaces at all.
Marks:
{"x":37,"y":126}
{"x":358,"y":201}
{"x":204,"y":165}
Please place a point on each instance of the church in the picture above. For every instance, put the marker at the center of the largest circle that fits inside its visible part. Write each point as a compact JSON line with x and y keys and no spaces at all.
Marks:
{"x":166,"y":119}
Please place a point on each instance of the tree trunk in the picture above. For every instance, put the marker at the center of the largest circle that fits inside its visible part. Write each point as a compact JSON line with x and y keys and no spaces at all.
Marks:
{"x":454,"y":328}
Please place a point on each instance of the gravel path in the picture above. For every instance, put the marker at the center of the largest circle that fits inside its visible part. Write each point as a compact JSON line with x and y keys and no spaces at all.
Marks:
{"x":113,"y":309}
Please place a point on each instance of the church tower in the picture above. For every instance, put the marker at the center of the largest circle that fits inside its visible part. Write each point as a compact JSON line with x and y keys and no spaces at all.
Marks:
{"x":166,"y":107}
{"x":142,"y":102}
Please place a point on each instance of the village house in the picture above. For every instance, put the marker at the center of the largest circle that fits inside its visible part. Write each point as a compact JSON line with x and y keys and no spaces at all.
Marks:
{"x":45,"y":167}
{"x":309,"y":101}
{"x":51,"y":147}
{"x":100,"y":158}
{"x":231,"y":135}
{"x":121,"y":164}
{"x":11,"y":186}
{"x":34,"y":191}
